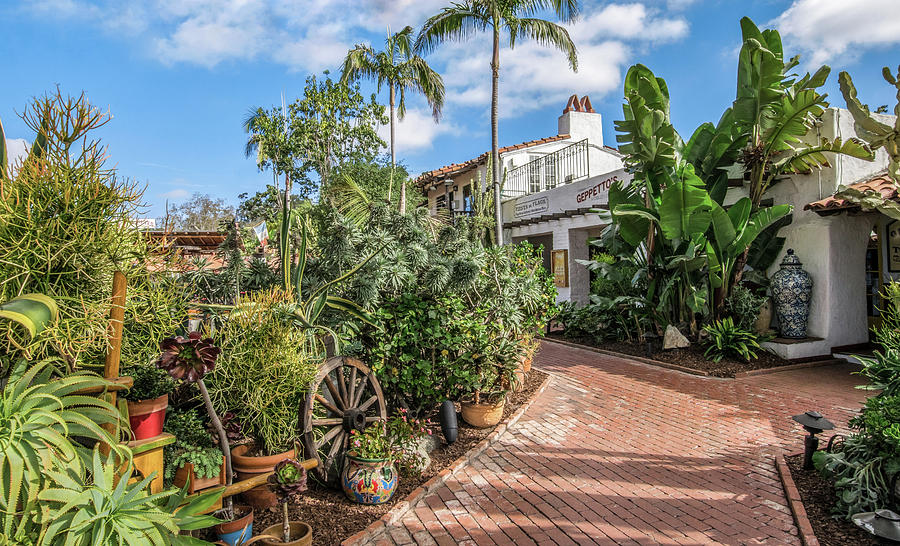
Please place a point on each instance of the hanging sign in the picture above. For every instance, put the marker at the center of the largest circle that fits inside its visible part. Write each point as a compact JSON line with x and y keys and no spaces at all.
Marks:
{"x":560,"y":263}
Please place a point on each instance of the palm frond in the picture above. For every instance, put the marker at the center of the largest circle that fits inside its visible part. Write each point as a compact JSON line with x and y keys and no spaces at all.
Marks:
{"x":548,"y":33}
{"x":456,"y":22}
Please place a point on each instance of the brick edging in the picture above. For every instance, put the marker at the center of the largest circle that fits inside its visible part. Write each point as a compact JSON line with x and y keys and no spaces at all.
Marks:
{"x":684,"y":369}
{"x":795,"y":503}
{"x":400,"y":510}
{"x":626,"y":356}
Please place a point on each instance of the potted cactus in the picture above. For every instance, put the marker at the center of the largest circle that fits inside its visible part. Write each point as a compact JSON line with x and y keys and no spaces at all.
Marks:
{"x":288,"y":482}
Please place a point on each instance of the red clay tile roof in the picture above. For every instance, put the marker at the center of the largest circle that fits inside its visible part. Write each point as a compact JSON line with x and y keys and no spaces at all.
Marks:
{"x":881,"y":184}
{"x":197,"y":241}
{"x":457,"y":168}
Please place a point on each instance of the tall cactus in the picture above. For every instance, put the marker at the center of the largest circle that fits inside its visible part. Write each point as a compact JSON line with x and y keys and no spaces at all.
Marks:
{"x":876,"y":133}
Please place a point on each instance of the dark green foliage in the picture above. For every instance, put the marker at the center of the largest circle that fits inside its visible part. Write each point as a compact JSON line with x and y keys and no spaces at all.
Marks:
{"x":207,"y":461}
{"x":743,"y":306}
{"x":727,"y":339}
{"x":149,"y":382}
{"x":188,"y":428}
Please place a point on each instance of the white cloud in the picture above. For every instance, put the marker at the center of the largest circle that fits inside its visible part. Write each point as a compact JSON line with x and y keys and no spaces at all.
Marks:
{"x":830,"y":29}
{"x":176,"y":195}
{"x":416,"y":131}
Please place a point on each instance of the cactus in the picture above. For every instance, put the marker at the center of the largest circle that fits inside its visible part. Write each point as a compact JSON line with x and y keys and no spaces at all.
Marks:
{"x":874,"y":132}
{"x":4,"y":158}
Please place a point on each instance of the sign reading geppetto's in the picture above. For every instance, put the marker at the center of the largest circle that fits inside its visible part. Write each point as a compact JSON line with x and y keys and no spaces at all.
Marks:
{"x":531,"y":207}
{"x":559,"y":260}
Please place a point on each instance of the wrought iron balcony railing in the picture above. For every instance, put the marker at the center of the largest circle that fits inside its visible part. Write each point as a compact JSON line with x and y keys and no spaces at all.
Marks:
{"x":549,"y":171}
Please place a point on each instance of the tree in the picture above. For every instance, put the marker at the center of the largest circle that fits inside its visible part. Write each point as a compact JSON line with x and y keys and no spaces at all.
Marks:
{"x":199,"y":213}
{"x":333,"y":125}
{"x":461,"y":20}
{"x":401,"y":70}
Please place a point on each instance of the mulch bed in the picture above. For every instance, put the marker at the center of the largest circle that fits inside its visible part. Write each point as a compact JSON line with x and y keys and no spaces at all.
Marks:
{"x":818,"y":498}
{"x":691,"y":357}
{"x":333,"y":517}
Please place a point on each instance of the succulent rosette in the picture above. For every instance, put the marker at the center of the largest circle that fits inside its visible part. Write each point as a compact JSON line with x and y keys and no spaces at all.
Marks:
{"x":188,"y":358}
{"x":289,"y":479}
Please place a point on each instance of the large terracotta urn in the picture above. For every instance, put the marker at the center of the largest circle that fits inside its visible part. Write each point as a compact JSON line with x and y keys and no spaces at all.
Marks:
{"x":791,"y":290}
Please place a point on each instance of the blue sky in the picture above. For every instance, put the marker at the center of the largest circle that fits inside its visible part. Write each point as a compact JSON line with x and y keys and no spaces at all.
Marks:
{"x":179,"y":76}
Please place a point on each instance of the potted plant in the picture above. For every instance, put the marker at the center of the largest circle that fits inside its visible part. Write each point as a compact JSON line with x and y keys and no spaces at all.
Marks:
{"x":147,"y":400}
{"x":268,"y":365}
{"x":239,"y":529}
{"x":410,"y":440}
{"x":489,"y":379}
{"x":369,"y":475}
{"x":288,"y":481}
{"x":193,"y":459}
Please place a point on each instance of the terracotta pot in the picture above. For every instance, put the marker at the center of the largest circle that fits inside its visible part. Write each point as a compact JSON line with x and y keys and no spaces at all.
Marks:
{"x":261,"y":497}
{"x":301,"y":534}
{"x":146,"y":417}
{"x":237,"y":530}
{"x":483,"y":415}
{"x":369,"y":481}
{"x":764,"y":318}
{"x":186,"y":475}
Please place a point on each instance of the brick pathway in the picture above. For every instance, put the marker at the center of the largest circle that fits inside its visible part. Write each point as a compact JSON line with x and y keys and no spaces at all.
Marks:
{"x":618,"y":452}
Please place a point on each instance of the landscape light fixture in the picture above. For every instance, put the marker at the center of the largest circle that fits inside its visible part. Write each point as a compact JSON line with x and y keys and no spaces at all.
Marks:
{"x":813,"y":423}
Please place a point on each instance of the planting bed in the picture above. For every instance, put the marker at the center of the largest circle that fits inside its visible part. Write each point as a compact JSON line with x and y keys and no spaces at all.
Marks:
{"x":333,"y":517}
{"x":818,"y":498}
{"x":691,"y":357}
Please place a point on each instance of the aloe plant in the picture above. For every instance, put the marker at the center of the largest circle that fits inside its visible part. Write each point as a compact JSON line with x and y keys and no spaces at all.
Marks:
{"x":109,"y":508}
{"x":39,"y":416}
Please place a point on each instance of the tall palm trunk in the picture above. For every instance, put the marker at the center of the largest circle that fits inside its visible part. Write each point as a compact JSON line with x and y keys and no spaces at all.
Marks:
{"x":495,"y":149}
{"x":394,"y":161}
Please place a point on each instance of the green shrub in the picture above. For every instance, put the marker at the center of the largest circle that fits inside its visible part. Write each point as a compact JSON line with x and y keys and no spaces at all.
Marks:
{"x":149,"y":382}
{"x":743,"y":306}
{"x":188,"y":428}
{"x":207,"y":461}
{"x":265,"y":369}
{"x":727,"y":339}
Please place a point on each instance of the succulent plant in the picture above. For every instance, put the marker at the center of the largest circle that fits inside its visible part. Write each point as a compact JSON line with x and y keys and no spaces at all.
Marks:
{"x":188,"y":358}
{"x":234,"y":431}
{"x":289,"y":479}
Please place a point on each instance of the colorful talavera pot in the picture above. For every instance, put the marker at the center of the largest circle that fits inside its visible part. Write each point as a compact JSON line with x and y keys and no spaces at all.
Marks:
{"x":369,"y":481}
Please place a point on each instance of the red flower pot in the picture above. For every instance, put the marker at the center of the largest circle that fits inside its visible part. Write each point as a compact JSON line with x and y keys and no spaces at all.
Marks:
{"x":147,"y":416}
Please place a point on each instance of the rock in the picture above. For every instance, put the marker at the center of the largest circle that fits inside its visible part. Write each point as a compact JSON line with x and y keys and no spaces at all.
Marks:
{"x":673,"y":339}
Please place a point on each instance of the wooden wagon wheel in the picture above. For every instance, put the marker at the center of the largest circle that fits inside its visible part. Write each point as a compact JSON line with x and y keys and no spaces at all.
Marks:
{"x":345,"y":395}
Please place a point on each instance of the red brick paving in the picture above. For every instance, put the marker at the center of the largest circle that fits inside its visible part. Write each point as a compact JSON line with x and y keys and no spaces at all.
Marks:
{"x":619,"y":452}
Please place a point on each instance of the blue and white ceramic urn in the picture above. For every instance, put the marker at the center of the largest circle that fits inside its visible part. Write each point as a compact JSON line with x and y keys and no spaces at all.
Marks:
{"x":791,"y":290}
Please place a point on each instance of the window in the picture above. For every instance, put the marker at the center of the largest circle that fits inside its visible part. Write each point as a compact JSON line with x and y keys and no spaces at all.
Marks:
{"x":550,"y":171}
{"x":440,"y":202}
{"x":452,"y":203}
{"x":467,"y":198}
{"x":534,"y":174}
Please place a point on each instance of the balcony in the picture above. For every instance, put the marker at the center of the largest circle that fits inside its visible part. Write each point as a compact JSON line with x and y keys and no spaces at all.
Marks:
{"x":549,"y":171}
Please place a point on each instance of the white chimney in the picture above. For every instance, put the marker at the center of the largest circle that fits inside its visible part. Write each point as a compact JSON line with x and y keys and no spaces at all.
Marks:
{"x":580,"y":121}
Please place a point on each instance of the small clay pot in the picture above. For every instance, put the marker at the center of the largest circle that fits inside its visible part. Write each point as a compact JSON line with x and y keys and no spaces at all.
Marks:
{"x":146,"y":417}
{"x":301,"y":535}
{"x":260,"y":497}
{"x":238,"y":530}
{"x":483,"y":415}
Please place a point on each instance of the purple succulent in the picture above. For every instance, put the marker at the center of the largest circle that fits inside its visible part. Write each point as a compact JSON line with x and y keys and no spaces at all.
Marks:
{"x":289,"y":479}
{"x":233,"y":428}
{"x":188,"y":358}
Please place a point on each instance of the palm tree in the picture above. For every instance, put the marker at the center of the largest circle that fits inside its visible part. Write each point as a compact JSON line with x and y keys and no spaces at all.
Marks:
{"x":399,"y":68}
{"x":461,"y":20}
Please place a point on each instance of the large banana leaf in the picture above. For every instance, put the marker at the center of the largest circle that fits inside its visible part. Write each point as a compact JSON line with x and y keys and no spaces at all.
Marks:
{"x":785,"y":130}
{"x":760,"y":73}
{"x":806,"y":159}
{"x":632,"y":228}
{"x":684,"y":208}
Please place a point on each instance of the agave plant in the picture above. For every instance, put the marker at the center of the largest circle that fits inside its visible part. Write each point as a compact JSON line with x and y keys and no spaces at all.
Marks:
{"x":288,"y":481}
{"x":39,"y":416}
{"x":110,"y":508}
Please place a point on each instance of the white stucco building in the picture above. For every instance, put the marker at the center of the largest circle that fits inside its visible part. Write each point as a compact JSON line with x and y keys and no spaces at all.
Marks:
{"x":553,"y":183}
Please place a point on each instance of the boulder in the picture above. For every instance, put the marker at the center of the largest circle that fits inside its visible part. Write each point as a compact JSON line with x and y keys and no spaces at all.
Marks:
{"x":674,"y":339}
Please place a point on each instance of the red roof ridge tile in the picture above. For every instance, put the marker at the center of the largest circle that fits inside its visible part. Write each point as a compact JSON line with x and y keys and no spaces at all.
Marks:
{"x":880,"y":183}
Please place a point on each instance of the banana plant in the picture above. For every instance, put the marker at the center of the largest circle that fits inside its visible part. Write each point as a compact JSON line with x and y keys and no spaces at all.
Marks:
{"x":735,"y":230}
{"x":775,"y":110}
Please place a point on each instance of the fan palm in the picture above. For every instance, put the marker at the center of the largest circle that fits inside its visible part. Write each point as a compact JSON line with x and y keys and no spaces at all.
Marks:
{"x":460,"y":20}
{"x":402,"y":70}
